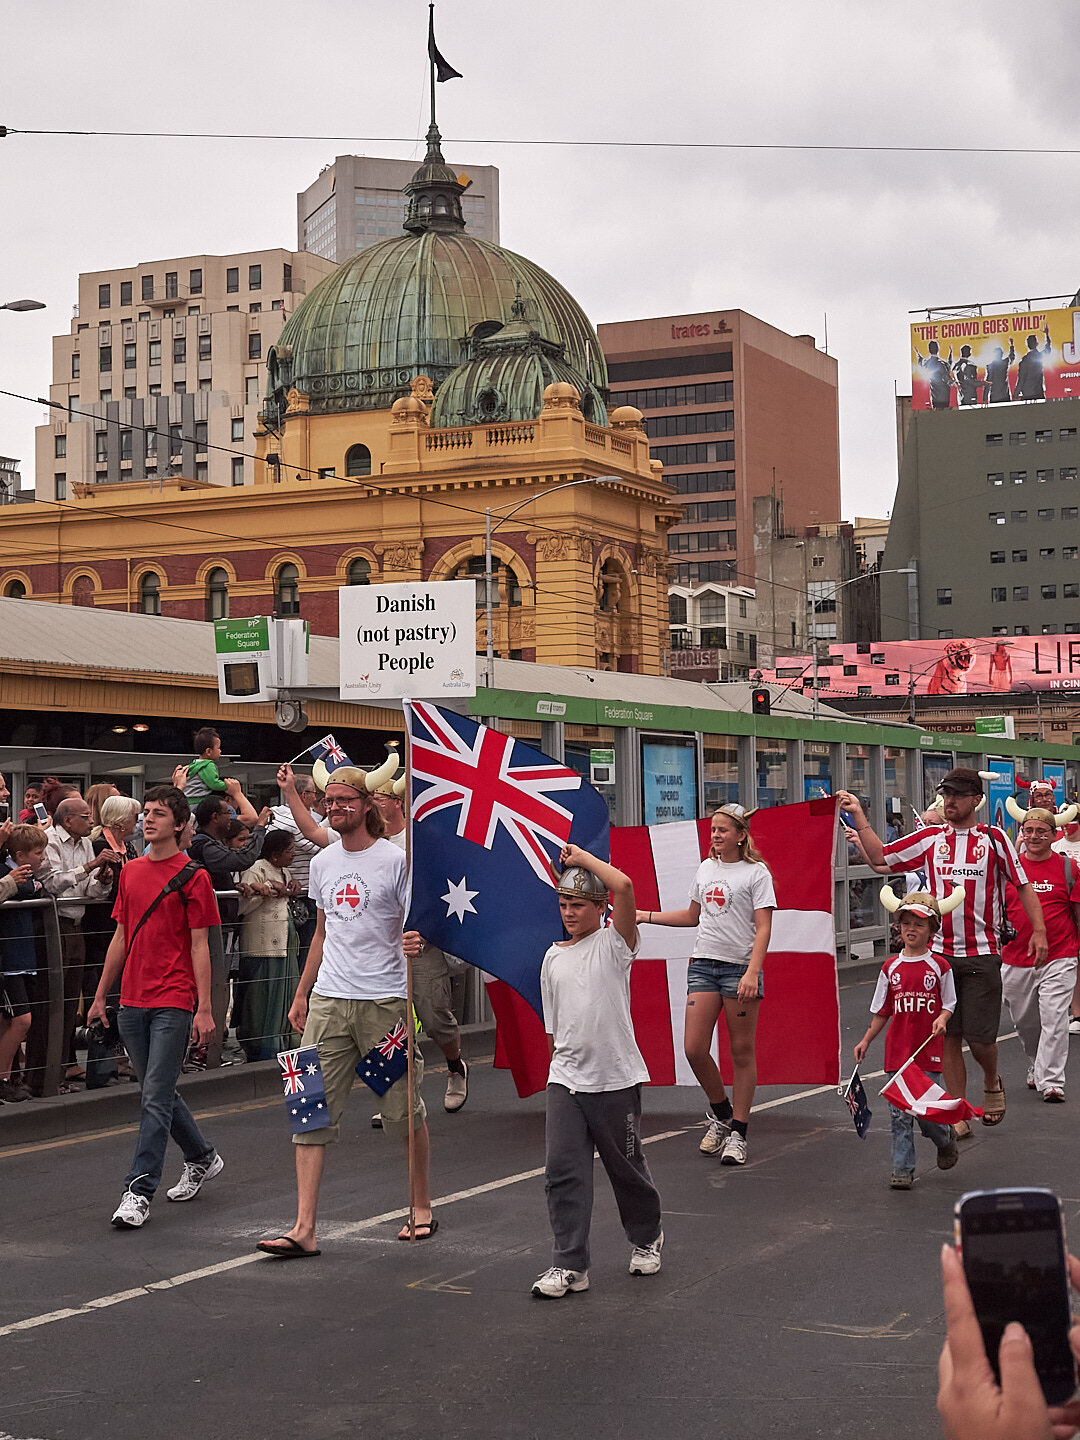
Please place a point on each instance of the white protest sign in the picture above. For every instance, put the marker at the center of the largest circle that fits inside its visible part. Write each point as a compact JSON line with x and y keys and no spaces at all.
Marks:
{"x":402,"y":642}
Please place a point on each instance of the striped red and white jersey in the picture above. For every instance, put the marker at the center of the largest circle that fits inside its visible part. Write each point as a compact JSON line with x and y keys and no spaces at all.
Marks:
{"x":981,"y":859}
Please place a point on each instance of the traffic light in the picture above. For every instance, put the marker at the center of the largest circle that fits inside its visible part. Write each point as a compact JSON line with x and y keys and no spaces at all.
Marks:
{"x":761,"y":701}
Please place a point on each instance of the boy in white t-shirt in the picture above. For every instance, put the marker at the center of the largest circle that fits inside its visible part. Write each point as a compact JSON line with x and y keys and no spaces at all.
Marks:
{"x":596,"y":1074}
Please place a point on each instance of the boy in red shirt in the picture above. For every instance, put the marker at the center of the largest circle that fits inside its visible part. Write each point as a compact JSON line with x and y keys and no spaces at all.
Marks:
{"x":161,"y":946}
{"x":1038,"y":993}
{"x":915,"y":990}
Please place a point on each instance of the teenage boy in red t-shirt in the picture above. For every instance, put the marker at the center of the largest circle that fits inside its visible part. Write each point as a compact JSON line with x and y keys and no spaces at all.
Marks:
{"x":165,"y":961}
{"x":1038,"y":993}
{"x":916,"y":991}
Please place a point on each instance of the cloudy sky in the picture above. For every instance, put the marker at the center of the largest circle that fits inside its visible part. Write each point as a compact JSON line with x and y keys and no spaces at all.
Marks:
{"x":789,"y":236}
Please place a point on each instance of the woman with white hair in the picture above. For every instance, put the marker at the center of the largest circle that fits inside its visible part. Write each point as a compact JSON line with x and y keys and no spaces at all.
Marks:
{"x":119,"y":814}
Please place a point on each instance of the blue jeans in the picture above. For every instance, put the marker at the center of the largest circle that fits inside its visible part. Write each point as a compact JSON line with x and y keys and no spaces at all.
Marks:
{"x":903,"y":1134}
{"x":155,"y":1040}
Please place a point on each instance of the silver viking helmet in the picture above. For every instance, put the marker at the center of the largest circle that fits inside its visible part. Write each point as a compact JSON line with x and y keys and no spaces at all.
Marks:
{"x":577,"y":883}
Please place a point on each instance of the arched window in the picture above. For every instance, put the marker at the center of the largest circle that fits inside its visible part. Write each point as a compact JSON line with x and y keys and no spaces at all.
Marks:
{"x":82,"y":591}
{"x":217,"y":594}
{"x":505,"y":586}
{"x":150,"y":593}
{"x":15,"y":590}
{"x":358,"y":460}
{"x":287,"y":590}
{"x":359,"y":572}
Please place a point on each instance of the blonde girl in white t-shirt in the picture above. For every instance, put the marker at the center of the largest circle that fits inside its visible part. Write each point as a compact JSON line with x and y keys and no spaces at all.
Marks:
{"x":731,"y":904}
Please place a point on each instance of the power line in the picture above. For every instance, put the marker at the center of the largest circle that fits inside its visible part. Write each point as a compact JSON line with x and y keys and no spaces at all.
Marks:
{"x":734,"y":145}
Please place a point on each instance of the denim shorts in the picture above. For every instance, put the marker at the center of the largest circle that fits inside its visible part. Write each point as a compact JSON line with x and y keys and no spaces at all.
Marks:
{"x":718,"y":977}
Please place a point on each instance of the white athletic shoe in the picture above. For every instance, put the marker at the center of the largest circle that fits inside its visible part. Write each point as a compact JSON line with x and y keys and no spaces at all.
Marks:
{"x":712,"y":1142}
{"x":734,"y":1150}
{"x":457,"y":1090}
{"x":554,"y":1283}
{"x":133,"y":1211}
{"x":1074,"y":1024}
{"x":192,"y":1178}
{"x":645,"y":1259}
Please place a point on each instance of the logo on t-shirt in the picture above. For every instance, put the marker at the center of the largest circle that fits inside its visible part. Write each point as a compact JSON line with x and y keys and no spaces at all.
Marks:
{"x":716,"y":896}
{"x":350,"y":897}
{"x":929,"y":981}
{"x":894,"y":978}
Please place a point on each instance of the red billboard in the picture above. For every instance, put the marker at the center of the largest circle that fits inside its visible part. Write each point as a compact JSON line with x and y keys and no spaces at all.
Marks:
{"x":971,"y":360}
{"x":983,"y":666}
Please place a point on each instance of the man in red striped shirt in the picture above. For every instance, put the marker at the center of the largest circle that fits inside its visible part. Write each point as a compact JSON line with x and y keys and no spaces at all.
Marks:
{"x":981,"y":858}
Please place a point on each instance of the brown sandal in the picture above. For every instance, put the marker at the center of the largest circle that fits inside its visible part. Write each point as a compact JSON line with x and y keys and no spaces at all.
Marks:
{"x":994,"y":1104}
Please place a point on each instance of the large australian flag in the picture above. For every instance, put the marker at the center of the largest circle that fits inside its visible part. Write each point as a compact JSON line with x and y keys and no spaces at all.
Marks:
{"x":489,"y":815}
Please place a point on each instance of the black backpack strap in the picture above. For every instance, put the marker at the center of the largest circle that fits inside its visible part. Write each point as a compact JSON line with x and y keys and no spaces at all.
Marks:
{"x":174,"y":887}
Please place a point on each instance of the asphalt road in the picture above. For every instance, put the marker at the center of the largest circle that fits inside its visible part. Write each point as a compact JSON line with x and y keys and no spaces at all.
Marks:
{"x":798,"y":1296}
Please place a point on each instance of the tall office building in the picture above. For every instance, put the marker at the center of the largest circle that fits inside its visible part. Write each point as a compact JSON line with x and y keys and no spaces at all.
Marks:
{"x":164,"y":369}
{"x":358,"y":201}
{"x":735,"y":409}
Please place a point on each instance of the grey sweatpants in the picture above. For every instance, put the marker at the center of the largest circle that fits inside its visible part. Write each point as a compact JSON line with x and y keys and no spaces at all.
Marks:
{"x":610,"y":1121}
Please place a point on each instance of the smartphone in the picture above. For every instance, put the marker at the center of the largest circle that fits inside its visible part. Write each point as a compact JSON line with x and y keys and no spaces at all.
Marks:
{"x":1012,"y":1244}
{"x":41,"y":813}
{"x":4,"y":813}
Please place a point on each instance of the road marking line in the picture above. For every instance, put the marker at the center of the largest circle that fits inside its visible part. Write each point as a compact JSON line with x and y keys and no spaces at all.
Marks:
{"x":357,"y":1227}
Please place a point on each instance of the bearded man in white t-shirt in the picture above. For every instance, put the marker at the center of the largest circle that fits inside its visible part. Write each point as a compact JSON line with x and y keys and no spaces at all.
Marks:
{"x":352,"y":992}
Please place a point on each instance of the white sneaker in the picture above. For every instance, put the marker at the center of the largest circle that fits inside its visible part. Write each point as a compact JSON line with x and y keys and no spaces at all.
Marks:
{"x":554,"y":1283}
{"x":457,"y":1090}
{"x":1031,"y":1077}
{"x":712,"y":1141}
{"x":1074,"y":1024}
{"x":192,"y":1178}
{"x":645,"y":1259}
{"x":734,"y":1150}
{"x":133,"y":1211}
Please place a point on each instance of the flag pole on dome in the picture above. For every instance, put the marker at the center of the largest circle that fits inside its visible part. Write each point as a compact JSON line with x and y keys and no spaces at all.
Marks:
{"x":440,"y":69}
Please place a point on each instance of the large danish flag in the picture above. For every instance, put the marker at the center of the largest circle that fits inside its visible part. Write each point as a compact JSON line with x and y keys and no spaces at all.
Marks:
{"x":480,"y":776}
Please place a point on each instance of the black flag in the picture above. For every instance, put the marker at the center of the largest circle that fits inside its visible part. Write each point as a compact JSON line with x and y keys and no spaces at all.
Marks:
{"x":443,"y":70}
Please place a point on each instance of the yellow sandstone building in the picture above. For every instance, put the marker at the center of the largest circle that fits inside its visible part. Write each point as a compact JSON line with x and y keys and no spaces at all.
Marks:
{"x":432,"y":387}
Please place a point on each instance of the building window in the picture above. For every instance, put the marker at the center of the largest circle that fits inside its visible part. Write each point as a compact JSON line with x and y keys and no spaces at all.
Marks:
{"x":1070,"y":552}
{"x":217,"y":594}
{"x":150,"y":442}
{"x":129,"y":357}
{"x":60,"y":446}
{"x":1068,"y":512}
{"x":1046,"y":514}
{"x":1047,"y":553}
{"x":105,"y":358}
{"x":277,"y":304}
{"x":150,"y":593}
{"x":202,"y":471}
{"x":996,"y":477}
{"x":205,"y":345}
{"x":201,"y":434}
{"x":255,"y":308}
{"x":172,"y":288}
{"x":155,"y":352}
{"x":676,"y":609}
{"x":125,"y":292}
{"x":147,"y":287}
{"x":254,"y":345}
{"x":1067,"y":433}
{"x":1070,"y":591}
{"x":254,"y":277}
{"x":251,"y":390}
{"x":15,"y":590}
{"x":1019,"y":557}
{"x":287,"y":590}
{"x":327,"y":473}
{"x":1042,"y":476}
{"x":944,"y":597}
{"x":1072,"y":628}
{"x":104,"y":297}
{"x":357,"y":460}
{"x":1021,"y":629}
{"x":999,"y":630}
{"x":944,"y":634}
{"x":238,"y":470}
{"x":1018,"y":517}
{"x":996,"y":517}
{"x":232,"y":280}
{"x":1067,"y":472}
{"x":1020,"y":592}
{"x":1048,"y":592}
{"x":60,"y":481}
{"x":195,"y":282}
{"x":997,"y":557}
{"x":237,"y":430}
{"x":75,"y":365}
{"x":1050,"y":629}
{"x":1043,"y":437}
{"x":125,"y":444}
{"x":359,"y":572}
{"x":104,"y":395}
{"x":179,"y":349}
{"x":1018,"y":437}
{"x":1017,"y":477}
{"x":995,"y":439}
{"x":101,"y":445}
{"x":997,"y":594}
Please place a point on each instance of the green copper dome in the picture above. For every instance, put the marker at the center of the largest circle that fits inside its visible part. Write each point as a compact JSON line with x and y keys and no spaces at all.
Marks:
{"x":418,"y":304}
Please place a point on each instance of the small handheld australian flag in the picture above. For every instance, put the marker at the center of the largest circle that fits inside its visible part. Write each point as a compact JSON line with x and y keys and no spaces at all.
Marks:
{"x":857,"y":1103}
{"x":305,"y":1097}
{"x":385,"y":1062}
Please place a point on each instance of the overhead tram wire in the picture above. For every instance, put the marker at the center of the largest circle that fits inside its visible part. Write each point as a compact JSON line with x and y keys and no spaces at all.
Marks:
{"x":9,"y":130}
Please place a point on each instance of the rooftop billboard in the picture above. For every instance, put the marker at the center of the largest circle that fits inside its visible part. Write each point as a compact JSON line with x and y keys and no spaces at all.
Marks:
{"x":986,"y":666}
{"x":992,"y":359}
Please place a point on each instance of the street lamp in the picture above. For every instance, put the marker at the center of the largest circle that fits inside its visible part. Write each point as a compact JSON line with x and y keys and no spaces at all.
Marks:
{"x":24,"y":305}
{"x":903,"y":570}
{"x":490,"y":529}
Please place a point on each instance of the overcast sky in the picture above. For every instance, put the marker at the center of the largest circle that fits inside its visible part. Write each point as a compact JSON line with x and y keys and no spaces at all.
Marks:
{"x":787,"y":236}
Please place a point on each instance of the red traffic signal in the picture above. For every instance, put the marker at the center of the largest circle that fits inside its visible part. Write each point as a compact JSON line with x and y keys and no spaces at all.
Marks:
{"x":761,"y":701}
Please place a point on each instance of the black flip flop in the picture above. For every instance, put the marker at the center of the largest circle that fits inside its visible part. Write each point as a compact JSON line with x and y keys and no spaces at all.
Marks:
{"x":422,"y":1225}
{"x":286,"y":1248}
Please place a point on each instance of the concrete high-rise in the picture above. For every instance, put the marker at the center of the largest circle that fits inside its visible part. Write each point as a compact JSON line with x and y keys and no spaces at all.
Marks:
{"x":734,"y":409}
{"x":164,"y":369}
{"x":358,"y":201}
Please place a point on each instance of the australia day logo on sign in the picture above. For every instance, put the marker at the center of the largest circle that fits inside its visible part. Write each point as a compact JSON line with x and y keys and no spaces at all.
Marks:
{"x":401,"y":642}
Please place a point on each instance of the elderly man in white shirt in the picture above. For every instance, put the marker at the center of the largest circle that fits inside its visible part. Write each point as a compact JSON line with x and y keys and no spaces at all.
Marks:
{"x":73,"y":871}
